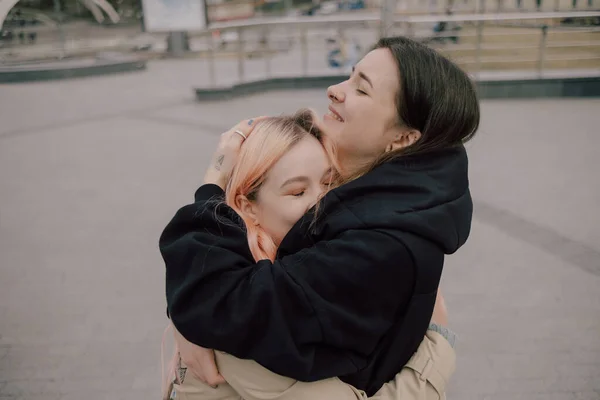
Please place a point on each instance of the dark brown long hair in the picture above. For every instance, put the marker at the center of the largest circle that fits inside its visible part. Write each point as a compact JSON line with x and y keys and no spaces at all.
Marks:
{"x":435,"y":97}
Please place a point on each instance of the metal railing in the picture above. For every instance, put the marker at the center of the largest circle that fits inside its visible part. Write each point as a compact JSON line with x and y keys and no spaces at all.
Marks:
{"x":242,"y":51}
{"x":501,"y":41}
{"x":486,"y":6}
{"x":538,"y":25}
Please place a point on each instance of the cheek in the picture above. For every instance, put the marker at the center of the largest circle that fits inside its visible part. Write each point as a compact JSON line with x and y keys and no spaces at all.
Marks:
{"x":362,"y":121}
{"x":380,"y":121}
{"x":279,"y":218}
{"x":290,"y":215}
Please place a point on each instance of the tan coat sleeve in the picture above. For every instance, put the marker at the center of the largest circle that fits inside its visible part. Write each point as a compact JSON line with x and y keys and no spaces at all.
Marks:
{"x":426,"y":375}
{"x":424,"y":378}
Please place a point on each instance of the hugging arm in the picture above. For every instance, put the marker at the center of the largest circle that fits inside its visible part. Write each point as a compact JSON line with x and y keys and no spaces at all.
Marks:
{"x":311,"y":315}
{"x":423,"y":378}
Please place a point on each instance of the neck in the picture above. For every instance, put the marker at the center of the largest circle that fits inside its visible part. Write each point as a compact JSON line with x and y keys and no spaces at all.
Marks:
{"x":353,"y":167}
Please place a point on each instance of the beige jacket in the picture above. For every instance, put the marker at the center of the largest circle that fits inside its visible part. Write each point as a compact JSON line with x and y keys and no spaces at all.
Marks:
{"x":423,"y":378}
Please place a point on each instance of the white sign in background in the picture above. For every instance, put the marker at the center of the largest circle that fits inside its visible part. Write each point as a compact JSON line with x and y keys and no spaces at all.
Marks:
{"x":174,"y":15}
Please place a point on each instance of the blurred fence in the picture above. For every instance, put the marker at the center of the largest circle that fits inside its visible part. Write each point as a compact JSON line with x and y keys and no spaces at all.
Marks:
{"x":478,"y":42}
{"x":299,"y":45}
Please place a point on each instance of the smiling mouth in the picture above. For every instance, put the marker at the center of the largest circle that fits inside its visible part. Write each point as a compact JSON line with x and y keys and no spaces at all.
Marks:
{"x":334,"y":116}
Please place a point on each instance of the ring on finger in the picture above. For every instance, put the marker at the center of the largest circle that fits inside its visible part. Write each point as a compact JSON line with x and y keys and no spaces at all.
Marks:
{"x":241,"y":134}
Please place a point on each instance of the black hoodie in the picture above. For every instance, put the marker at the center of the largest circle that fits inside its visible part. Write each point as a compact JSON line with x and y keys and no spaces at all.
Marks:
{"x":350,"y":296}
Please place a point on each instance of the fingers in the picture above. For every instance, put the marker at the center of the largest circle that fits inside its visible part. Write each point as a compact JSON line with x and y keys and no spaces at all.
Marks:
{"x":194,"y":368}
{"x":205,"y":374}
{"x":213,"y":377}
{"x":227,"y":152}
{"x":252,"y":123}
{"x":242,"y":130}
{"x":204,"y":368}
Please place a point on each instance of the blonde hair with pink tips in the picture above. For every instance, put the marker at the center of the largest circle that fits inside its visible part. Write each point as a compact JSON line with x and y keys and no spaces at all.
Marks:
{"x":270,"y":139}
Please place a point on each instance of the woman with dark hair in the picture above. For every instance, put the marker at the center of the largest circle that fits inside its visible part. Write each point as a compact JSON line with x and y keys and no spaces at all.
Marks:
{"x":282,"y":169}
{"x":351,"y":290}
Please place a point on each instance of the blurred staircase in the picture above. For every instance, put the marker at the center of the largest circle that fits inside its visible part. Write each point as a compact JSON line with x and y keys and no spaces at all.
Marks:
{"x":518,"y":48}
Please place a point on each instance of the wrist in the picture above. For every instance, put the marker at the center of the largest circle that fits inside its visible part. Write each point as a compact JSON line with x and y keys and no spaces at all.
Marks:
{"x":213,"y":182}
{"x":211,"y":178}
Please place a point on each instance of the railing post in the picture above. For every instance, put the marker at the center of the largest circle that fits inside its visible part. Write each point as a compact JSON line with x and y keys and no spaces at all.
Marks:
{"x":266,"y":51}
{"x":240,"y":33}
{"x":211,"y":59}
{"x":479,"y":47}
{"x":481,"y":6}
{"x":542,"y":52}
{"x":386,"y":19}
{"x":473,"y":6}
{"x":304,"y":46}
{"x":62,"y":39}
{"x":410,"y":30}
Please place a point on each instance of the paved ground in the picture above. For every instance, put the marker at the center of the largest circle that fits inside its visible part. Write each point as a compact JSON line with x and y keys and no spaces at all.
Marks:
{"x":92,"y":169}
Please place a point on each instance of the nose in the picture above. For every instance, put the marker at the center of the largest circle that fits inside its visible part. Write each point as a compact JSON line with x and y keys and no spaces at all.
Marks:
{"x":335,"y":94}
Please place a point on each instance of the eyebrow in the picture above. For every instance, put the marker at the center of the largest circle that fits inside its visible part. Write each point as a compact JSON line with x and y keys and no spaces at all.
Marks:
{"x":363,"y":76}
{"x":294,"y":180}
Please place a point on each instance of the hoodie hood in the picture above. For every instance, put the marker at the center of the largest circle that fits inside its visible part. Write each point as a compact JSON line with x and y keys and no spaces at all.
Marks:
{"x":426,"y":195}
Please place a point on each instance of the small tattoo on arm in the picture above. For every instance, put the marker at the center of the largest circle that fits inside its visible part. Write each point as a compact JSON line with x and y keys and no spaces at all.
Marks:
{"x":219,"y":162}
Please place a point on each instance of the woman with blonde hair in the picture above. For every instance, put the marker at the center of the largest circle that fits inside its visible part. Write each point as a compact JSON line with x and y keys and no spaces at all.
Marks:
{"x":353,"y":285}
{"x":281,"y":171}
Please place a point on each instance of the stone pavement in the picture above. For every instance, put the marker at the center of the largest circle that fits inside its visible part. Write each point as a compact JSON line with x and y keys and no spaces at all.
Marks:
{"x":92,"y":169}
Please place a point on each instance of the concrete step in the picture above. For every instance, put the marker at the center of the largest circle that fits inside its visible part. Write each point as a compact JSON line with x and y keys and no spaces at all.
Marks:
{"x":573,"y":61}
{"x":516,"y":48}
{"x":468,"y":35}
{"x":565,"y":48}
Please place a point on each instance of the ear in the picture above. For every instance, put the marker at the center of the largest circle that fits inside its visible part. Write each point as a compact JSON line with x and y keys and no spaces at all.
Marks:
{"x":403,"y":139}
{"x":247,"y":208}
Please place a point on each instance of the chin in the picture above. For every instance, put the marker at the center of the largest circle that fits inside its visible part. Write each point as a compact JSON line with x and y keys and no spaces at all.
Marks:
{"x":332,"y":128}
